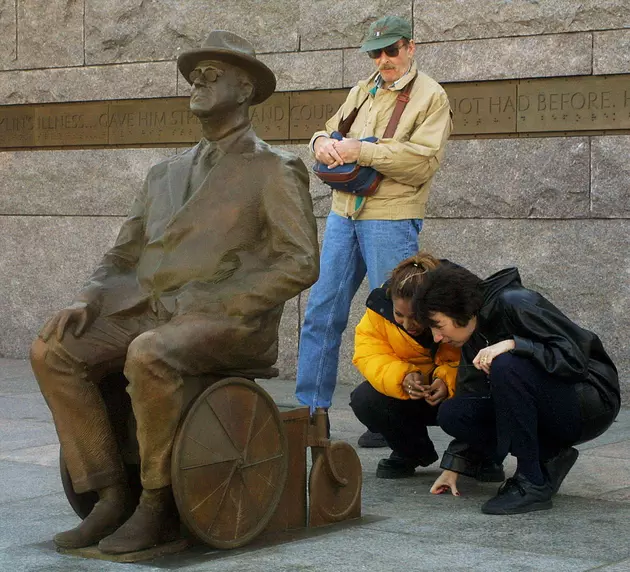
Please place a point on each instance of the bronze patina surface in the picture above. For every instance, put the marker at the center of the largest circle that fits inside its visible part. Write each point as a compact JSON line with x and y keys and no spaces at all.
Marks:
{"x":218,"y":239}
{"x":230,"y":463}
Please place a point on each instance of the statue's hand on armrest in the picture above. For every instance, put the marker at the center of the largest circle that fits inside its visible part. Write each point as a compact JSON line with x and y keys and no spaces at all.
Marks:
{"x":80,"y":315}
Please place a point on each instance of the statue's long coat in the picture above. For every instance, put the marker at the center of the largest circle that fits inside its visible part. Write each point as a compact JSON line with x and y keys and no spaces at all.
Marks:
{"x":231,"y":251}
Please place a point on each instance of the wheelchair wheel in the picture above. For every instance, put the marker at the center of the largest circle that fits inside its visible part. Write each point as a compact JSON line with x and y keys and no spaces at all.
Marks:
{"x":335,"y":485}
{"x":230,"y":463}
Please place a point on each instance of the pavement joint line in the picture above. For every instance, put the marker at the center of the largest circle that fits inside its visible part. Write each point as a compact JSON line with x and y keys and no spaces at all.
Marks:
{"x":492,"y":546}
{"x":609,"y":564}
{"x":28,"y":499}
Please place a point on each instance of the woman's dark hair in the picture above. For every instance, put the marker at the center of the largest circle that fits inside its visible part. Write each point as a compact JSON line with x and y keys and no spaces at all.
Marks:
{"x":451,"y":290}
{"x":408,"y":275}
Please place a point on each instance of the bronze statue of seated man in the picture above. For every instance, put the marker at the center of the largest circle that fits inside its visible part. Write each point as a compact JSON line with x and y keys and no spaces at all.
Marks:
{"x":219,"y":238}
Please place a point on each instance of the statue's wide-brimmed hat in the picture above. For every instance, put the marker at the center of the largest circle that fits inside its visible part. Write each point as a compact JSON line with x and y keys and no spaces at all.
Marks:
{"x":228,"y":47}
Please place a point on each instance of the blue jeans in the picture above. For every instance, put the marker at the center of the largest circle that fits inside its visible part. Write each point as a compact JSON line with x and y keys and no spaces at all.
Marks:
{"x":351,"y":249}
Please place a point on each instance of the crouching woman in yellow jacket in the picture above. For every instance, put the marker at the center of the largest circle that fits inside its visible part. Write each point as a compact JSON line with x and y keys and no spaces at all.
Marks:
{"x":408,"y":375}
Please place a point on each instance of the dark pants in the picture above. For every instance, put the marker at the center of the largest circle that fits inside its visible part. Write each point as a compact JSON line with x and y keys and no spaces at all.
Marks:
{"x":403,"y":422}
{"x":529,"y":413}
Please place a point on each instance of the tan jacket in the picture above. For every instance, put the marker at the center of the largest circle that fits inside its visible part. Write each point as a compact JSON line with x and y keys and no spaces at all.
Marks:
{"x":408,"y":160}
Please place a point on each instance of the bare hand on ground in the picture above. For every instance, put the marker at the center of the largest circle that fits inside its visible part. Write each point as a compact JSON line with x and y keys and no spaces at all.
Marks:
{"x":447,"y":481}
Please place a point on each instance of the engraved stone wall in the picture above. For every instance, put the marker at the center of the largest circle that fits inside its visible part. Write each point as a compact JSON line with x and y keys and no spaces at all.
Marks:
{"x":474,"y":19}
{"x":558,"y":207}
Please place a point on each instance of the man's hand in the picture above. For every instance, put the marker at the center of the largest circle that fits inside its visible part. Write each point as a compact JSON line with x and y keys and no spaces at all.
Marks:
{"x":348,"y":149}
{"x":445,"y":482}
{"x":326,"y":153}
{"x":483,"y":360}
{"x":80,"y":314}
{"x":438,"y":392}
{"x":415,"y":385}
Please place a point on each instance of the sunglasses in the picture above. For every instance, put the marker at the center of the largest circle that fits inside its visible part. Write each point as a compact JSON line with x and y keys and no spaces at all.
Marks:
{"x":208,"y":74}
{"x":390,"y":51}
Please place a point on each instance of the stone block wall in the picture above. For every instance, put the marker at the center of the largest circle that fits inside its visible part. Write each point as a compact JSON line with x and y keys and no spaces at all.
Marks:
{"x":557,"y":207}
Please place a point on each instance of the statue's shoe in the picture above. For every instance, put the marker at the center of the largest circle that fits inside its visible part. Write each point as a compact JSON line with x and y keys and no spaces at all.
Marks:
{"x":154,"y":522}
{"x":112,"y":510}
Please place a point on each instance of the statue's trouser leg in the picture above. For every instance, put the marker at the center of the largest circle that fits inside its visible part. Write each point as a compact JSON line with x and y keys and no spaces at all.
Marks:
{"x":156,"y":391}
{"x":189,"y":345}
{"x":68,"y":373}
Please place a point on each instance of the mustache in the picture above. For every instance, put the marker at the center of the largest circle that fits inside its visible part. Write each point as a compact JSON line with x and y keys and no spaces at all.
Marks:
{"x":386,"y":67}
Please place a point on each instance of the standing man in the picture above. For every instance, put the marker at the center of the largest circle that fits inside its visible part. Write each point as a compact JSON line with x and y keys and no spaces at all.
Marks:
{"x":218,"y":239}
{"x":371,"y":234}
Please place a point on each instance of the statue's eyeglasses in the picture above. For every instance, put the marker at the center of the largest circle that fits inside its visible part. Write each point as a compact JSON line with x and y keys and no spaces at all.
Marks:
{"x":390,"y":51}
{"x":208,"y":74}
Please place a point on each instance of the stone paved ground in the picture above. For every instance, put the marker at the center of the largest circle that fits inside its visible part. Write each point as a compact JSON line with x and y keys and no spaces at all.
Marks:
{"x":404,"y":527}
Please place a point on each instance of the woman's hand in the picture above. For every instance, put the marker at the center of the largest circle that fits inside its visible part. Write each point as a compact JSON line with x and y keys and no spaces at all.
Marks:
{"x":415,"y":386}
{"x":438,"y":392}
{"x":445,"y":482}
{"x":483,"y":360}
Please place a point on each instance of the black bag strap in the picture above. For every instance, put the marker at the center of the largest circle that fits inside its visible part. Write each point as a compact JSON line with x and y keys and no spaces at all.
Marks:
{"x":401,"y":102}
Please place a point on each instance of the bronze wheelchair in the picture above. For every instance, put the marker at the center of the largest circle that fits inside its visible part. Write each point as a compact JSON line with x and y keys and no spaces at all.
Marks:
{"x":239,"y":462}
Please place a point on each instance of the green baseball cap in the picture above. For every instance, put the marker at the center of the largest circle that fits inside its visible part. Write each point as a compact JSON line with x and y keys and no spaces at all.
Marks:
{"x":385,"y":32}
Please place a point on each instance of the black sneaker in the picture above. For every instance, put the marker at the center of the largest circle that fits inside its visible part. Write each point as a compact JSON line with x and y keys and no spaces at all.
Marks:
{"x":518,"y":495}
{"x":558,"y":467}
{"x":371,"y":440}
{"x":398,"y":467}
{"x":490,"y":472}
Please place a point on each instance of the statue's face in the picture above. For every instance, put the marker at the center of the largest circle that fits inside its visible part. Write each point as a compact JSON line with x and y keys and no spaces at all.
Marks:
{"x":217,"y":87}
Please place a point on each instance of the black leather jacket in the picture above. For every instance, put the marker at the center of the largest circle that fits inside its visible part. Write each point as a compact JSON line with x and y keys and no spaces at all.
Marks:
{"x":542,"y":333}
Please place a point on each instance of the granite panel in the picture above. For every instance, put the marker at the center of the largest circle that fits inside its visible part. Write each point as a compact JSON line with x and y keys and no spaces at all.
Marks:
{"x":135,"y":30}
{"x":127,"y":81}
{"x":611,"y":52}
{"x":320,"y":193}
{"x":50,"y":34}
{"x":454,"y":20}
{"x":580,"y":265}
{"x":357,"y":66}
{"x":513,"y":178}
{"x":498,"y":58}
{"x":610,"y":177}
{"x":306,"y":70}
{"x":44,"y":262}
{"x":288,"y":335}
{"x":325,"y":25}
{"x":86,"y":182}
{"x":8,"y":33}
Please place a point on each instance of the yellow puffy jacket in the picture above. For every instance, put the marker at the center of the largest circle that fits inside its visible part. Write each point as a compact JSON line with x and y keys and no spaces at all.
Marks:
{"x":384,"y":354}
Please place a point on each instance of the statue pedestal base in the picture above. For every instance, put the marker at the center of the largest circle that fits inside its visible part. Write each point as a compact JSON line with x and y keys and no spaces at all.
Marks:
{"x":149,"y":554}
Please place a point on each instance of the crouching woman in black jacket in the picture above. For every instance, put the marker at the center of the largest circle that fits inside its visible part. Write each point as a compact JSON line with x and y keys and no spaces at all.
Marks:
{"x":530,"y":382}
